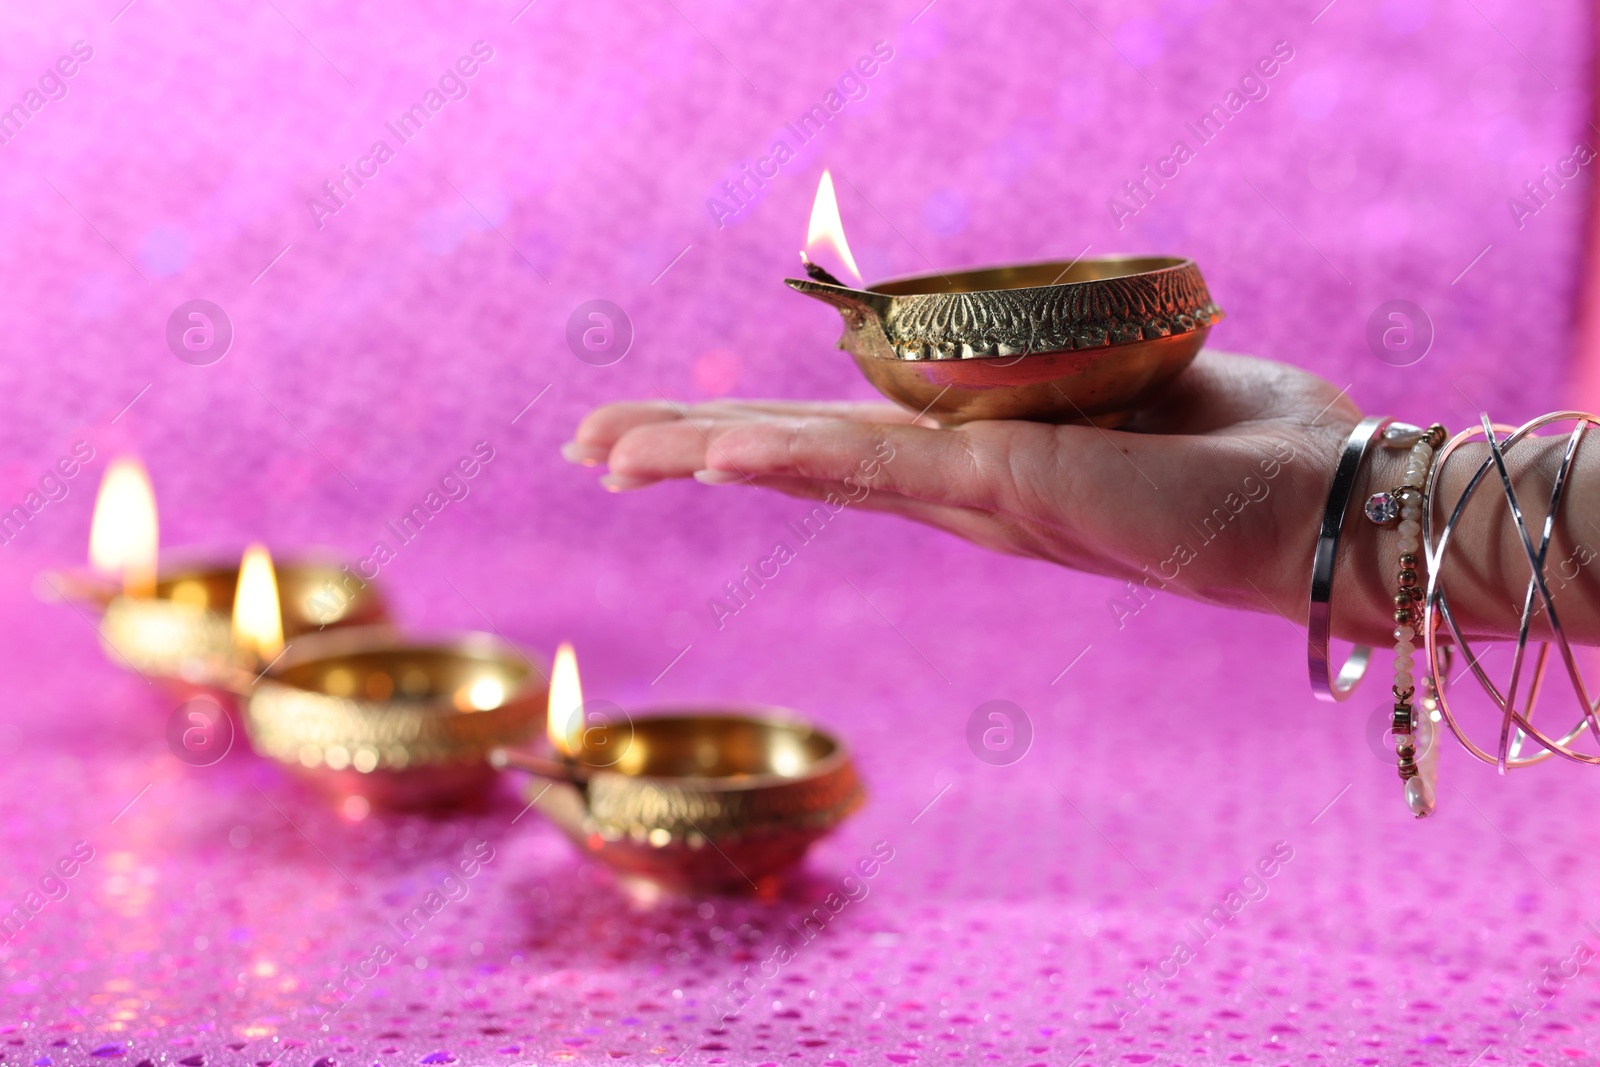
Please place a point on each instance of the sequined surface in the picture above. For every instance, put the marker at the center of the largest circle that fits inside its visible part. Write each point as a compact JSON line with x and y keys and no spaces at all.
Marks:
{"x":1162,"y":852}
{"x":1015,"y":914}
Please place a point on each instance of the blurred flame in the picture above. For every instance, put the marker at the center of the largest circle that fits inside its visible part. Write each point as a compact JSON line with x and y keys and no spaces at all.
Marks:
{"x":565,"y":712}
{"x":122,"y":536}
{"x":826,"y":229}
{"x":480,"y":694}
{"x":486,"y":693}
{"x":257,"y":619}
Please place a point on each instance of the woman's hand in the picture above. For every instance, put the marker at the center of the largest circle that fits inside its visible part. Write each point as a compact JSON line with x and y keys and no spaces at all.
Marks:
{"x":1216,"y":491}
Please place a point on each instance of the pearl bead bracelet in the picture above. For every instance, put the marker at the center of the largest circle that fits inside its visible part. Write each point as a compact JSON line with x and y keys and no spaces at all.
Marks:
{"x":1404,"y":507}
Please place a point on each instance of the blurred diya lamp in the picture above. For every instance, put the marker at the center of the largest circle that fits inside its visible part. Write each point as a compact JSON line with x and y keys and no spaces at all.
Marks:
{"x":181,"y":633}
{"x":698,"y":801}
{"x":365,"y":712}
{"x":171,"y":619}
{"x":1083,"y":341}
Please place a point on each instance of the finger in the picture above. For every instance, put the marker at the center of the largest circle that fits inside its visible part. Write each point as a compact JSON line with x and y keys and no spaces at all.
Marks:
{"x":601,"y":431}
{"x":999,"y":532}
{"x":682,"y":448}
{"x":835,"y":500}
{"x":612,"y":420}
{"x":849,"y":410}
{"x":657,"y":450}
{"x":966,"y":467}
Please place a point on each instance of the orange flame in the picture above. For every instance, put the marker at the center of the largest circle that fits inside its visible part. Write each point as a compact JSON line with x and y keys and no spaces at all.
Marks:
{"x":564,"y":721}
{"x":826,"y":229}
{"x":257,"y":618}
{"x":123,"y":537}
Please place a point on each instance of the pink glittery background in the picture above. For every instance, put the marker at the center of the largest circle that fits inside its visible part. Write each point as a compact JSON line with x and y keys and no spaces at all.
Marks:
{"x":376,"y":344}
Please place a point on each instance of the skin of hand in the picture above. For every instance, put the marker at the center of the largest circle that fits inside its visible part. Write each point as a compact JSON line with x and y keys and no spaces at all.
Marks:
{"x":1214,"y":492}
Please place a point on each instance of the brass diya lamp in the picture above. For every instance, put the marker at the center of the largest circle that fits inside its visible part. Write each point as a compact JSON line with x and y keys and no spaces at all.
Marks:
{"x":181,"y":631}
{"x":368,"y":713}
{"x":699,"y":800}
{"x":1081,"y":341}
{"x":170,"y":619}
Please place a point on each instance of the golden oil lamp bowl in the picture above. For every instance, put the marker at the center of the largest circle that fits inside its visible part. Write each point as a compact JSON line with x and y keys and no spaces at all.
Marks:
{"x":703,"y":800}
{"x":182,"y":632}
{"x":398,"y":721}
{"x":1085,"y":341}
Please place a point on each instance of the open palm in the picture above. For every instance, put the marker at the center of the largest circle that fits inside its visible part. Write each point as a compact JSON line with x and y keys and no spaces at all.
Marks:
{"x":1215,"y":491}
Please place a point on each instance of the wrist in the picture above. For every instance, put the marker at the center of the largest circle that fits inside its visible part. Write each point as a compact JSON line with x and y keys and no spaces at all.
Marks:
{"x":1363,"y":600}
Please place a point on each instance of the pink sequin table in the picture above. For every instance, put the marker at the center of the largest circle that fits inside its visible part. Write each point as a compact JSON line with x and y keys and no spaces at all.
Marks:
{"x":1193,"y":863}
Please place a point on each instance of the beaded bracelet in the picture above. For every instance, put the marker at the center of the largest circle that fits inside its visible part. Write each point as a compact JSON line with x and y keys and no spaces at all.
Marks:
{"x":1406,"y":504}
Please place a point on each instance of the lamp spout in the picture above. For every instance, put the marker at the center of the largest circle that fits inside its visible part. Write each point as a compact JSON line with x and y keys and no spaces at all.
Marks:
{"x":863,"y":312}
{"x":856,"y":305}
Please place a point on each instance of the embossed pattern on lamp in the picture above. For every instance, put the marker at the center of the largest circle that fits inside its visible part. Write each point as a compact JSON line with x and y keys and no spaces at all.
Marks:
{"x":1081,"y":341}
{"x":365,"y":712}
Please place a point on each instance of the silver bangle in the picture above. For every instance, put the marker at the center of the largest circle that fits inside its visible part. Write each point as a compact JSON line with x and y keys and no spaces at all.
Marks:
{"x":1319,"y":627}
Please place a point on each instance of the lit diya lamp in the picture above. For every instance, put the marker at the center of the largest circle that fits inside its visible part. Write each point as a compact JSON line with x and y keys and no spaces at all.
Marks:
{"x":171,"y":619}
{"x":694,"y":800}
{"x":1081,"y":341}
{"x":367,"y":713}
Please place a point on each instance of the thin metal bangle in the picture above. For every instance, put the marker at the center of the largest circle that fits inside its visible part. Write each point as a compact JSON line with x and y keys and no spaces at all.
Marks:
{"x":1319,"y":628}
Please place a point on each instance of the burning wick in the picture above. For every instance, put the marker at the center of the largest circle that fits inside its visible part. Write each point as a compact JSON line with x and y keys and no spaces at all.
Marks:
{"x":563,"y":726}
{"x":257,"y":619}
{"x":122,"y":535}
{"x":564,"y":715}
{"x":826,"y":230}
{"x":816,"y":273}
